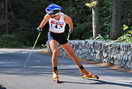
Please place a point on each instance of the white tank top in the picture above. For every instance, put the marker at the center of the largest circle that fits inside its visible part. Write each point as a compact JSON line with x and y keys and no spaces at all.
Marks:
{"x":57,"y":26}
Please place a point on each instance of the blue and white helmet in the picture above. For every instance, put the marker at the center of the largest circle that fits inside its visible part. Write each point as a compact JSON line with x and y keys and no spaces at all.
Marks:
{"x":52,"y":8}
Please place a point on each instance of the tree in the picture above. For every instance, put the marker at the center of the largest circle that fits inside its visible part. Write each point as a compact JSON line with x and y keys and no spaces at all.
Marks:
{"x":116,"y":19}
{"x":3,"y":9}
{"x":95,"y":17}
{"x":127,"y":12}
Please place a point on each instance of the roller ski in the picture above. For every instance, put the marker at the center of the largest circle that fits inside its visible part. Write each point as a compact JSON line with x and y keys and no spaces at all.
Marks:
{"x":87,"y":75}
{"x":90,"y":76}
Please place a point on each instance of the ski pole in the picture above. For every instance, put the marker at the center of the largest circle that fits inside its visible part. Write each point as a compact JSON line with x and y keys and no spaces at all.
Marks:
{"x":68,"y":37}
{"x":29,"y":56}
{"x":69,"y":33}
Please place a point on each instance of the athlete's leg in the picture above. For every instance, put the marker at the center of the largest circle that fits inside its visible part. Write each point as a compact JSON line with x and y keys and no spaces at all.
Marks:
{"x":55,"y":53}
{"x":71,"y":53}
{"x":67,"y":47}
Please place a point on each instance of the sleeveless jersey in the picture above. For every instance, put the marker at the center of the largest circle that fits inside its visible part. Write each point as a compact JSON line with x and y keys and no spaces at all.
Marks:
{"x":57,"y":26}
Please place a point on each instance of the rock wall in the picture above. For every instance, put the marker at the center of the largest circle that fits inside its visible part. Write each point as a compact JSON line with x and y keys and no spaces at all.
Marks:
{"x":101,"y":51}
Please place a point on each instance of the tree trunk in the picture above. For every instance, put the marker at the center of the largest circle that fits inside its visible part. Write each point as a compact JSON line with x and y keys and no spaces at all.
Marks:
{"x":116,"y":19}
{"x":125,"y":9}
{"x":128,"y":9}
{"x":95,"y":20}
{"x":2,"y":13}
{"x":6,"y":15}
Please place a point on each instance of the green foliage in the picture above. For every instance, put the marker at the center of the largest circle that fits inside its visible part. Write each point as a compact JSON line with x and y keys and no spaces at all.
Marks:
{"x":11,"y":40}
{"x":105,"y":17}
{"x":100,"y":37}
{"x":125,"y":27}
{"x":91,"y":4}
{"x":17,"y":40}
{"x":82,"y":31}
{"x":29,"y":13}
{"x":127,"y":36}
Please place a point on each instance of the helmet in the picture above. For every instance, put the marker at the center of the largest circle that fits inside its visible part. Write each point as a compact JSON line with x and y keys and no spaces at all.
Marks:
{"x":53,"y":9}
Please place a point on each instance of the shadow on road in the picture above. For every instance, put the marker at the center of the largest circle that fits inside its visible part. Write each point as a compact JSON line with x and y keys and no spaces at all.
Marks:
{"x":1,"y":87}
{"x":100,"y":82}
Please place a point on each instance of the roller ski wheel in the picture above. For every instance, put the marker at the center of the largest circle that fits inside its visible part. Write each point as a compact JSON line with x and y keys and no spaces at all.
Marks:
{"x":90,"y":77}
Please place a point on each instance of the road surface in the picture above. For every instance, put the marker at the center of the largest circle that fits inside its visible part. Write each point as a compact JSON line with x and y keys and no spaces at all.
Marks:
{"x":37,"y":74}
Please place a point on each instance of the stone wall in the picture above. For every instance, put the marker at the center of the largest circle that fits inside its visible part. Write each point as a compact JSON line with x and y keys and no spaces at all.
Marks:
{"x":101,"y":51}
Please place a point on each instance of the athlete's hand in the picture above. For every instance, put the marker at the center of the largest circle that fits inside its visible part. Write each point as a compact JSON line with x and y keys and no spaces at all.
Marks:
{"x":39,"y":29}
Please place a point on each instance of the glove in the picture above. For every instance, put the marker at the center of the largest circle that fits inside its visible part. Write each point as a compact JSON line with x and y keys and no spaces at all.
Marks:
{"x":39,"y":29}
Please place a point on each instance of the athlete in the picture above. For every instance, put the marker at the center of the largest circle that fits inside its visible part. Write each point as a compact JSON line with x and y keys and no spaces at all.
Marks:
{"x":57,"y":21}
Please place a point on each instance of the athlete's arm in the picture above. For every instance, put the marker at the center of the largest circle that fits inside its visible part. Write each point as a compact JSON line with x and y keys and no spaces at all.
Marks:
{"x":44,"y":21}
{"x":68,"y":21}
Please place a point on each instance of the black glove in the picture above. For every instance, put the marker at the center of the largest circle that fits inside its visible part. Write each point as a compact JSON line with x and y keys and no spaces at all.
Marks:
{"x":39,"y":29}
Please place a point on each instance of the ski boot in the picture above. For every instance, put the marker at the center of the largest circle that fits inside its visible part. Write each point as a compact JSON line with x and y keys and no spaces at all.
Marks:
{"x":55,"y":76}
{"x":86,"y":74}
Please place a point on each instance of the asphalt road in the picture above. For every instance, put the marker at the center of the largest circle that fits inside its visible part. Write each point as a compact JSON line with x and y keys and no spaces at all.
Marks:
{"x":37,"y":73}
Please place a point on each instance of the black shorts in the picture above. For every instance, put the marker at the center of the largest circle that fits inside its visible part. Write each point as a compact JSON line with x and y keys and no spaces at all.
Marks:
{"x":61,"y":38}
